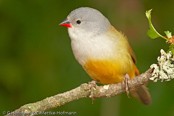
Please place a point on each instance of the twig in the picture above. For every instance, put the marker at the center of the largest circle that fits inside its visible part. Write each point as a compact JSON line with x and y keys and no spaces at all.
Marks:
{"x":83,"y":91}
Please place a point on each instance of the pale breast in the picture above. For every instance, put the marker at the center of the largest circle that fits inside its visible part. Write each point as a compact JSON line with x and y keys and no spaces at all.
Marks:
{"x":99,"y":47}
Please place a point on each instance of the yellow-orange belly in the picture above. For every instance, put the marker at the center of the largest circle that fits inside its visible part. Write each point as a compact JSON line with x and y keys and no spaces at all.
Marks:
{"x":107,"y":72}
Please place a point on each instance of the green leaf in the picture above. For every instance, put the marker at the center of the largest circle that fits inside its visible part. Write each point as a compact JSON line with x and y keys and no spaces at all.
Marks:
{"x":168,"y":34}
{"x":152,"y":33}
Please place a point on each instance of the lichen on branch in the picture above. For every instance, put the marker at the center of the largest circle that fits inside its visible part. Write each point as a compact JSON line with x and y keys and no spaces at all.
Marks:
{"x":164,"y":70}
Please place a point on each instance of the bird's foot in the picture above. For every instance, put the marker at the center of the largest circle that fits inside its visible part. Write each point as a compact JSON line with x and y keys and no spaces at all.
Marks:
{"x":92,"y":86}
{"x":125,"y":83}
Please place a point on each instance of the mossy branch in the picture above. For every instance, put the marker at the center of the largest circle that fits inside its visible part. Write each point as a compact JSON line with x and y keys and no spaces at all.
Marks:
{"x":83,"y":91}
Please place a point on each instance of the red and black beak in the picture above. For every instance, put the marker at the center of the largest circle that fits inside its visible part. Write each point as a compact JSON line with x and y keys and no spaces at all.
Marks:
{"x":66,"y":23}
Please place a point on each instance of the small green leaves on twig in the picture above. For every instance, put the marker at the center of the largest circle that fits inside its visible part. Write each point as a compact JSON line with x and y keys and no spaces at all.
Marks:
{"x":153,"y":34}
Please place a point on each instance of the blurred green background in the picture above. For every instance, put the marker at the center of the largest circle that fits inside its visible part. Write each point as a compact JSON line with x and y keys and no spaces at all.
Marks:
{"x":36,"y":60}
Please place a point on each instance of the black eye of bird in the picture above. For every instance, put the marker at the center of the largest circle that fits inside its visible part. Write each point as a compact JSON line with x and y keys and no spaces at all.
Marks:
{"x":78,"y":21}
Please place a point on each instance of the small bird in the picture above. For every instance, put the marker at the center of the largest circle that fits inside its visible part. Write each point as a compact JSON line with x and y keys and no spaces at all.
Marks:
{"x":101,"y":50}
